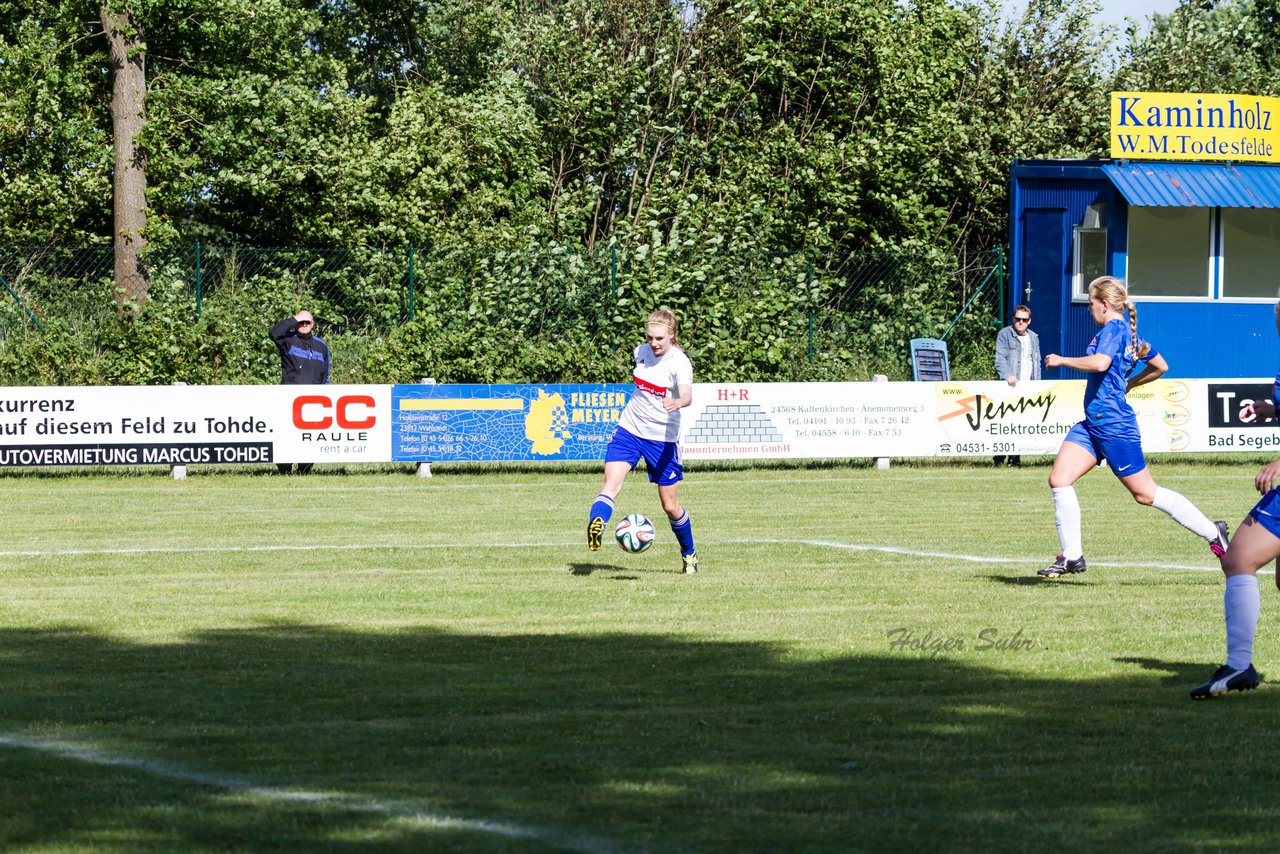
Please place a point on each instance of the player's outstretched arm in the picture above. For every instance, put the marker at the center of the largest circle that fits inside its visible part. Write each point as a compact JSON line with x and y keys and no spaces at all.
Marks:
{"x":1095,"y":364}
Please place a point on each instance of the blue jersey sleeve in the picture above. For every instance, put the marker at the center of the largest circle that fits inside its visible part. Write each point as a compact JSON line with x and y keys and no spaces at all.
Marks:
{"x":1152,"y":353}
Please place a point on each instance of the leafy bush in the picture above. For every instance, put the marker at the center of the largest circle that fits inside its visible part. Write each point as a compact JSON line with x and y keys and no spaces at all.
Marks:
{"x":423,"y":348}
{"x":60,"y":355}
{"x":538,"y":314}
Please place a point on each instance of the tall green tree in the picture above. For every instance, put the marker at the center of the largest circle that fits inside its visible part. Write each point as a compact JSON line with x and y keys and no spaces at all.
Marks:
{"x":55,"y":138}
{"x":245,"y":119}
{"x":838,"y":125}
{"x":1207,"y":46}
{"x":732,"y":124}
{"x":1037,"y":87}
{"x":127,"y":51}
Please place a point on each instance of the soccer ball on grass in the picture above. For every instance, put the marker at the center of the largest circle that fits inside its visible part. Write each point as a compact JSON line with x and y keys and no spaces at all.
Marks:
{"x":634,"y":533}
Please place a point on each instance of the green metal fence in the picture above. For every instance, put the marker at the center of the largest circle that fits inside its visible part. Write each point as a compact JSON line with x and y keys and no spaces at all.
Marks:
{"x":824,"y":303}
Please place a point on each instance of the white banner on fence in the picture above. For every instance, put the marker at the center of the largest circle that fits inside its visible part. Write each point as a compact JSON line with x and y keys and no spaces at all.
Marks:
{"x":191,"y":425}
{"x":953,"y":419}
{"x":194,"y":425}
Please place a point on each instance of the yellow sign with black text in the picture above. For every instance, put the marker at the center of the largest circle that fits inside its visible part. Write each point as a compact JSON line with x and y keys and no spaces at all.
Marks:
{"x":1194,"y":126}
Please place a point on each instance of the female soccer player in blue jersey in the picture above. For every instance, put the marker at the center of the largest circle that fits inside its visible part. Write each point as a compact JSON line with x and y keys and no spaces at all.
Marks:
{"x":1256,"y":543}
{"x":649,"y":427}
{"x":1110,"y":429}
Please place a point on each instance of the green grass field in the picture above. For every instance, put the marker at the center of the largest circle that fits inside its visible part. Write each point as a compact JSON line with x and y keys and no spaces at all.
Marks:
{"x":373,"y":661}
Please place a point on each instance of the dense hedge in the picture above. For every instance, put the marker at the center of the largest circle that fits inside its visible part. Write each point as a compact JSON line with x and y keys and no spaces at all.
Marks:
{"x":536,"y":314}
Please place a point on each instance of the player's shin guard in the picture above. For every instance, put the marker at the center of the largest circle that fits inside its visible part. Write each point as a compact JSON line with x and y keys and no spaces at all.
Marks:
{"x":683,"y":529}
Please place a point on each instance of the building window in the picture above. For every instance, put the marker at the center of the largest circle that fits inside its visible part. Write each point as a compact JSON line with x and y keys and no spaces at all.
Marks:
{"x":1169,"y":252}
{"x":1251,"y":253}
{"x":1088,"y":258}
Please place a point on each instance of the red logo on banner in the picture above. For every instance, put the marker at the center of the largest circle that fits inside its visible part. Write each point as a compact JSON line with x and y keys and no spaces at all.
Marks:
{"x":320,"y":412}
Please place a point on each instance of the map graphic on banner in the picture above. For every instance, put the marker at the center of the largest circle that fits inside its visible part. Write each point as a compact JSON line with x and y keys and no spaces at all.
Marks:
{"x":497,"y":423}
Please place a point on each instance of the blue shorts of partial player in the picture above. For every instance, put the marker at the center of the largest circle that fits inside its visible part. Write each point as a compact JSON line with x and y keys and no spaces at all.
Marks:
{"x":1117,"y":446}
{"x":1267,"y":512}
{"x":662,"y":459}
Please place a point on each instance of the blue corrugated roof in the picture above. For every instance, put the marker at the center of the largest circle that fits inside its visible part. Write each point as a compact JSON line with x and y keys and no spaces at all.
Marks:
{"x":1196,"y":185}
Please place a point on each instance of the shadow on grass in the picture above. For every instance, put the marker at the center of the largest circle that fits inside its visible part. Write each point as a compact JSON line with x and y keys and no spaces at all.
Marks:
{"x":589,"y":568}
{"x":1177,"y":674}
{"x":1019,"y":580}
{"x":615,"y":742}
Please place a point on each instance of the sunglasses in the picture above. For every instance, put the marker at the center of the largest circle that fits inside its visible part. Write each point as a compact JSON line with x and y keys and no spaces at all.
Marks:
{"x":306,"y":323}
{"x":1022,"y":320}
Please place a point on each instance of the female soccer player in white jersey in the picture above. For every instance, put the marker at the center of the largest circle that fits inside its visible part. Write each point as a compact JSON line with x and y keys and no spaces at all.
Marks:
{"x":650,"y":427}
{"x":1110,"y":429}
{"x":1256,"y":543}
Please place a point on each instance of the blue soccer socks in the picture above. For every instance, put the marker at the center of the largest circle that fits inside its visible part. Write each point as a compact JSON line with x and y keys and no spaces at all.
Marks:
{"x":683,"y":529}
{"x":601,"y":508}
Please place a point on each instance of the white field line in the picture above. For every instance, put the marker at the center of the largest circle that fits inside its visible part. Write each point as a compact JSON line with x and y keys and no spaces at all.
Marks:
{"x":823,"y":544}
{"x":165,"y":550}
{"x":702,"y":480}
{"x":285,"y":795}
{"x":969,"y":558}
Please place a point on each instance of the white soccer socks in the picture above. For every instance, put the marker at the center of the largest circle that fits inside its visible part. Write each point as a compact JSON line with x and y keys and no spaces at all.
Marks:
{"x":1241,"y":604}
{"x":1066,"y":517}
{"x":1184,"y":513}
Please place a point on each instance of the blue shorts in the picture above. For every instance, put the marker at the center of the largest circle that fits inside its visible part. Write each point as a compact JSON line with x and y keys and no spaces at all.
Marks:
{"x":1267,"y":512}
{"x":661,"y":458}
{"x":1124,"y":453}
